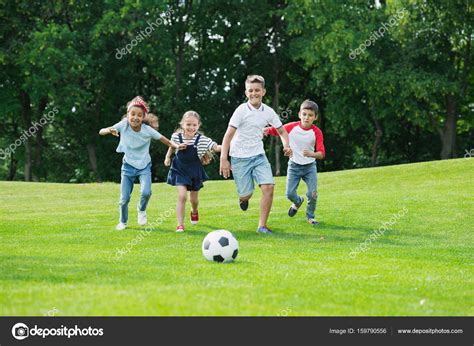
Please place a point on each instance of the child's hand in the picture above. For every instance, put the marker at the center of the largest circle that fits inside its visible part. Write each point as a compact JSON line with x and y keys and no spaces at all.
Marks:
{"x":308,"y":153}
{"x":113,"y":132}
{"x":287,"y":151}
{"x":225,"y":168}
{"x":265,"y":131}
{"x":167,"y":161}
{"x":181,"y":146}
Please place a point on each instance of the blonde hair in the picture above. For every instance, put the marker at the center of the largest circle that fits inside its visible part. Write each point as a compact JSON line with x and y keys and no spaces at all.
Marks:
{"x":186,"y":115}
{"x":208,"y":155}
{"x":255,"y":78}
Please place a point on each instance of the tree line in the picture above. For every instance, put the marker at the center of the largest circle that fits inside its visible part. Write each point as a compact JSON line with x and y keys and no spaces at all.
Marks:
{"x":393,"y":79}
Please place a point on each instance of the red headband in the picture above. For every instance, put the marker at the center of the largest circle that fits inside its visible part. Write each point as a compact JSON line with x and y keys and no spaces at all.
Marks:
{"x":138,"y":101}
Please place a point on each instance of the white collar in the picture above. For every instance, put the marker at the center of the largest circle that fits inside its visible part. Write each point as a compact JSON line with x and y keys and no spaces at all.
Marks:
{"x":252,"y":108}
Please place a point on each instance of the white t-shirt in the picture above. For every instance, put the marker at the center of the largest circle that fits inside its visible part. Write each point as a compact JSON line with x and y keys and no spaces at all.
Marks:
{"x":250,"y":122}
{"x":205,"y":143}
{"x":301,"y":139}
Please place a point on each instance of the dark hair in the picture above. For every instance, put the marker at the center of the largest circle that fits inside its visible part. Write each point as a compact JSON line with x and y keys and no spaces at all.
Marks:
{"x":311,"y":105}
{"x":152,"y":120}
{"x":148,"y":119}
{"x":255,"y":78}
{"x":138,"y":101}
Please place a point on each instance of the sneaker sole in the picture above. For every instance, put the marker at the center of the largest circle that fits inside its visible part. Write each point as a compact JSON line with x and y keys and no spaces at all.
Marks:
{"x":194,"y":222}
{"x":290,"y":215}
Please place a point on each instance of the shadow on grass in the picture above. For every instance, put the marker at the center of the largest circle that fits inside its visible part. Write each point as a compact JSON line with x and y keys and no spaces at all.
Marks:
{"x":297,"y":232}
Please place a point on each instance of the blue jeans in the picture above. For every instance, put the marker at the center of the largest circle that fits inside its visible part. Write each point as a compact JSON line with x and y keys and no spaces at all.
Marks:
{"x":308,"y":173}
{"x":129,"y":174}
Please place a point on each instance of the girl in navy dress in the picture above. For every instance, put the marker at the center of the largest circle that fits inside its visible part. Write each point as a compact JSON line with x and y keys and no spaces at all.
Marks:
{"x":187,"y":172}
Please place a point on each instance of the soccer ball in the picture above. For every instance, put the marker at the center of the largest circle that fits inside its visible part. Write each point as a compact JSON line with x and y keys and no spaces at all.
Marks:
{"x":220,"y":246}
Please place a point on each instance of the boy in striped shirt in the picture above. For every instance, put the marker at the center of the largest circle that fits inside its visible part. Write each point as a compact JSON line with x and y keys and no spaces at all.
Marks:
{"x":307,"y":145}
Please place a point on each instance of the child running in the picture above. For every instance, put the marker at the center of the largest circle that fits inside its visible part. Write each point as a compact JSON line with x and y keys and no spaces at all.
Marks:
{"x":135,"y":138}
{"x":243,"y":142}
{"x":187,"y":172}
{"x":307,"y":145}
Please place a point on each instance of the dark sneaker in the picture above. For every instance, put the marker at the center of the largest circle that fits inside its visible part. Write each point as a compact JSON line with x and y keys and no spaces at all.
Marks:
{"x":313,"y":222}
{"x":244,"y":205}
{"x":264,"y":230}
{"x":294,"y":208}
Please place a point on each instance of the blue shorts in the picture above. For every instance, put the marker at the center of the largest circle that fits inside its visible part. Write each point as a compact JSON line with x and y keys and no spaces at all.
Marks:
{"x":246,"y":170}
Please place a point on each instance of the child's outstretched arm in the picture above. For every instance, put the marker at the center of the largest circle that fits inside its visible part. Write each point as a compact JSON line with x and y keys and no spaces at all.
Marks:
{"x":286,"y":142}
{"x":173,"y":145}
{"x":108,"y":131}
{"x":217,"y":148}
{"x":225,"y":168}
{"x":169,"y":153}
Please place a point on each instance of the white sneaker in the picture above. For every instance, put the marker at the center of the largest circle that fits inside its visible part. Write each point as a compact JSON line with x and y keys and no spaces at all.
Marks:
{"x":142,"y":220}
{"x":121,"y":226}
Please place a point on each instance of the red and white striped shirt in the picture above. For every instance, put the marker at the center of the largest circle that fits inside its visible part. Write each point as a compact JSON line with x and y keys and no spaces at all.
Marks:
{"x":301,"y":139}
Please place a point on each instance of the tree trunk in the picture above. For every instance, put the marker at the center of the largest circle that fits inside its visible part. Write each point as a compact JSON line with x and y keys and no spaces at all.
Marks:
{"x":26,"y":116}
{"x":180,"y":51}
{"x":12,"y":168}
{"x":377,"y":141}
{"x":448,"y":138}
{"x":38,"y":150}
{"x":38,"y":141}
{"x":93,"y":160}
{"x":179,"y":67}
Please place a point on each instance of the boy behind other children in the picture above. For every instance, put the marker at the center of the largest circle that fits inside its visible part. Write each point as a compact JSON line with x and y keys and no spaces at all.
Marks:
{"x":307,"y":145}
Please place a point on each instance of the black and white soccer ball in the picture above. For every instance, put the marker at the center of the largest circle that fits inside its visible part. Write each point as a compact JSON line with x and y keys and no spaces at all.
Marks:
{"x":220,"y":246}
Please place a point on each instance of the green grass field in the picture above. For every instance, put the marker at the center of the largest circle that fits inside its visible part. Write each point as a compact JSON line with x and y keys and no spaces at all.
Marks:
{"x":59,"y":249}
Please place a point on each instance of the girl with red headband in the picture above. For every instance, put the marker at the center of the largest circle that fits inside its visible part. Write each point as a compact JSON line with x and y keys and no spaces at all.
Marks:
{"x":135,"y":138}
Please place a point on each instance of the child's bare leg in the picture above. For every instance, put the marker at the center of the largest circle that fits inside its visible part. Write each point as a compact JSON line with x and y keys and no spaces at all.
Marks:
{"x":194,"y":199}
{"x":181,"y":205}
{"x":245,"y":198}
{"x":265,"y":203}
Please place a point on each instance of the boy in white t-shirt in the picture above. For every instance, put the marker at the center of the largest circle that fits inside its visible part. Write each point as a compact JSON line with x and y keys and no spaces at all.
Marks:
{"x":307,"y":145}
{"x":249,"y":162}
